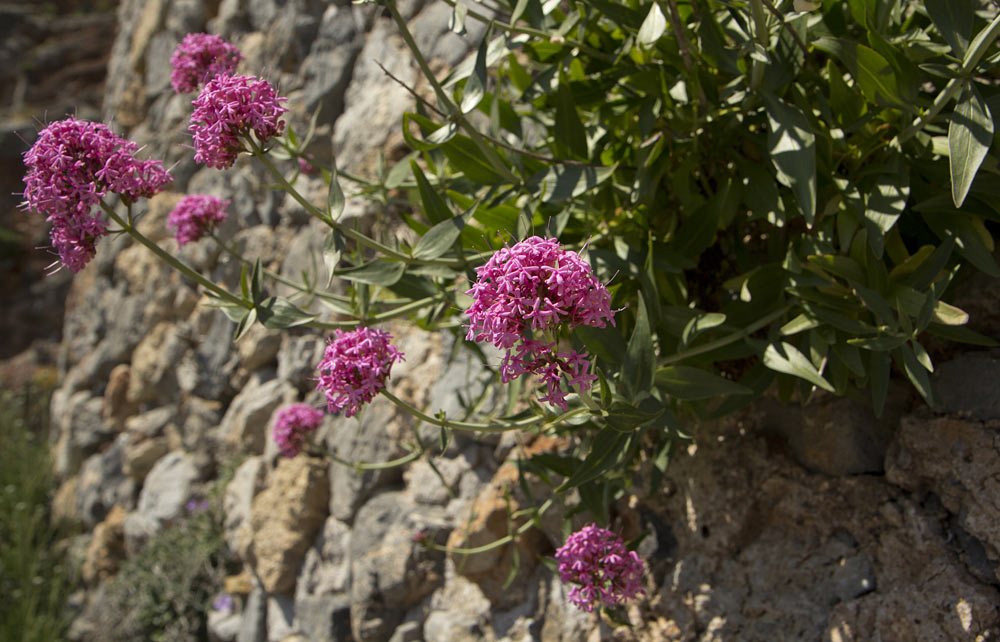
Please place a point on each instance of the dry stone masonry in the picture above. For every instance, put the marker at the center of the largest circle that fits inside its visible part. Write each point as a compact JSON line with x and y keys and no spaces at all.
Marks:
{"x":781,"y":523}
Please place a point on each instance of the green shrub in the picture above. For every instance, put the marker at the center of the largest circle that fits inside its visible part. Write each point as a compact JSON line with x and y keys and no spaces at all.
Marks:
{"x":34,"y":575}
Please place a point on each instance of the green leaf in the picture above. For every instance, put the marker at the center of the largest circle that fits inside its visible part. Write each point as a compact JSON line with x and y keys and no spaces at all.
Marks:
{"x":457,"y":20}
{"x":276,"y":313}
{"x":244,"y":325}
{"x":970,"y":135}
{"x":640,"y":358}
{"x":604,"y":343}
{"x":335,"y":197}
{"x":625,"y":417}
{"x":792,"y":146}
{"x":375,"y":273}
{"x":435,"y":207}
{"x":570,"y":136}
{"x":442,"y":236}
{"x":786,"y":358}
{"x":604,"y":451}
{"x":235,"y":313}
{"x":699,"y":323}
{"x":652,"y":27}
{"x":561,"y":182}
{"x":800,"y":323}
{"x":886,"y":202}
{"x":465,"y":155}
{"x":915,"y":372}
{"x":953,"y":19}
{"x":333,"y":250}
{"x":475,"y":86}
{"x":256,"y":293}
{"x":685,"y":382}
{"x":878,"y":368}
{"x":962,"y":335}
{"x":873,"y":73}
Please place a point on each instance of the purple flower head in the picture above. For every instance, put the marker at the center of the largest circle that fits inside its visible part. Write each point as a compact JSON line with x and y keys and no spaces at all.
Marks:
{"x":355,"y":367}
{"x":293,"y":424}
{"x":197,"y":505}
{"x":534,"y":285}
{"x":228,"y":108}
{"x":201,"y":56}
{"x":306,"y":166}
{"x":602,"y":570}
{"x":537,"y":286}
{"x":72,"y":165}
{"x":195,"y":215}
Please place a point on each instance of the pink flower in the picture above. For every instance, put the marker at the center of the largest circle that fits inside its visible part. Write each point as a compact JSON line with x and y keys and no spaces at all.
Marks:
{"x":71,"y":167}
{"x":228,"y":109}
{"x":195,"y":215}
{"x":201,"y":56}
{"x":292,"y":424}
{"x":531,"y":287}
{"x":355,"y":367}
{"x":603,"y":572}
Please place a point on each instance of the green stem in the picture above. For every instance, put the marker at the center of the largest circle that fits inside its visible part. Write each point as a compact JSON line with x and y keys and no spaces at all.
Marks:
{"x":512,"y":28}
{"x":402,"y":310}
{"x":347,"y":231}
{"x":172,"y":261}
{"x":980,"y":46}
{"x":523,"y":528}
{"x":488,"y":152}
{"x":761,"y":35}
{"x":726,"y":340}
{"x":494,"y":426}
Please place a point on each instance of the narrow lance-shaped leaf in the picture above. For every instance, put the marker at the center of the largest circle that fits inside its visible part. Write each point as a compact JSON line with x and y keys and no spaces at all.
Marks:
{"x":457,"y":21}
{"x":953,"y":19}
{"x":637,"y":371}
{"x":969,"y":137}
{"x":786,"y":358}
{"x":475,"y":86}
{"x":333,"y":250}
{"x":335,"y":197}
{"x":442,"y":236}
{"x":652,"y":27}
{"x":792,"y":145}
{"x":276,"y":313}
{"x":885,"y":204}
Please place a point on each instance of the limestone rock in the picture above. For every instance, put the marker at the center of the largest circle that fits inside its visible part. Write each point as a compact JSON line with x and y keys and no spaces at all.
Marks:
{"x":106,"y":549}
{"x":152,"y":374}
{"x":237,"y":500}
{"x":835,"y":435}
{"x":258,"y":347}
{"x":965,"y":388}
{"x":956,"y":460}
{"x":280,"y":614}
{"x":390,"y":572}
{"x":102,"y":484}
{"x":284,"y":519}
{"x":245,"y":426}
{"x":253,"y":625}
{"x":117,"y":407}
{"x":298,"y":358}
{"x":166,"y":490}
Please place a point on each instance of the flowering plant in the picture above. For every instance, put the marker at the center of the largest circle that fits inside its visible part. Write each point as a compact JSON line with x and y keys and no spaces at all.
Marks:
{"x":748,"y":201}
{"x":199,"y":57}
{"x":195,"y":215}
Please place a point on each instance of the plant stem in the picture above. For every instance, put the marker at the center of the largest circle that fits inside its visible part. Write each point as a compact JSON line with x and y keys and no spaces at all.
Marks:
{"x":726,"y":340}
{"x":172,"y":261}
{"x":347,"y":231}
{"x":493,"y":426}
{"x":523,"y":528}
{"x":979,"y":48}
{"x":488,"y":152}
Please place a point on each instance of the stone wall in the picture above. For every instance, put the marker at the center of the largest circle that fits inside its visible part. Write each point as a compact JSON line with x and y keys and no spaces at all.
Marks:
{"x":780,"y":523}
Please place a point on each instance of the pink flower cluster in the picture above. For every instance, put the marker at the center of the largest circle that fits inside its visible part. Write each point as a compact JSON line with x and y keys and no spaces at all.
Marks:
{"x":354,"y":368}
{"x":537,"y":286}
{"x":292,"y":424}
{"x":201,"y":56}
{"x":195,"y":215}
{"x":595,"y":560}
{"x":231,"y":107}
{"x":71,"y":167}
